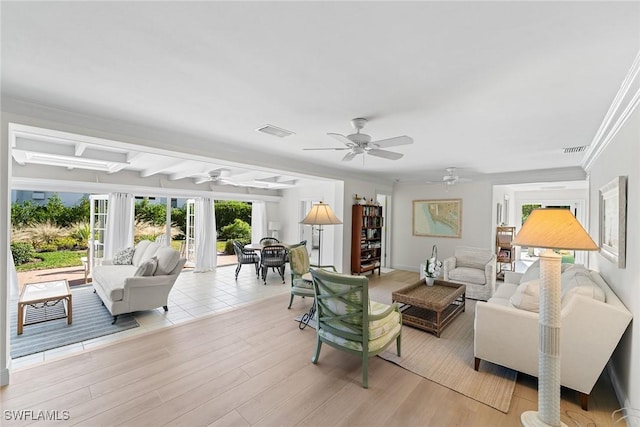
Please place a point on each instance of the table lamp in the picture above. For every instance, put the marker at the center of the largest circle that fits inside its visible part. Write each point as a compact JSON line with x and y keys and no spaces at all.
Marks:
{"x":274,"y":227}
{"x":550,"y":229}
{"x":320,"y":214}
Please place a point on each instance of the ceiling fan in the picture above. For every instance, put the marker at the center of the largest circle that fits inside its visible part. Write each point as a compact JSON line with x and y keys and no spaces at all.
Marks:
{"x":450,"y":178}
{"x":359,"y":143}
{"x":219,"y":176}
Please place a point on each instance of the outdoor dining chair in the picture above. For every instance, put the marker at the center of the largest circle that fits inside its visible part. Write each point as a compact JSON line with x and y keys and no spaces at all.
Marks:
{"x":245,"y":256}
{"x":274,"y":256}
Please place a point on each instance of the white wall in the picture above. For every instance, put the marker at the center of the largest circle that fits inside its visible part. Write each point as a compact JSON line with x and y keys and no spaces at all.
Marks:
{"x":290,"y":216}
{"x":478,"y":221}
{"x":621,"y":158}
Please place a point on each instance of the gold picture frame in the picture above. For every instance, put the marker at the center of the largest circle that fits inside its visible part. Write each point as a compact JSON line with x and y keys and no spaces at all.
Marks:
{"x":437,"y":218}
{"x":613,"y":221}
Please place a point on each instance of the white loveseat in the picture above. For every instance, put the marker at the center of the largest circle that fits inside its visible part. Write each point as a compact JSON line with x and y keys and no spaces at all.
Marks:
{"x":593,"y":320}
{"x":142,"y":285}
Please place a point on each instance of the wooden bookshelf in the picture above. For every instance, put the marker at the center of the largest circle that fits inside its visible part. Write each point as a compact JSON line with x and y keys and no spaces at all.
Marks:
{"x":505,"y":251}
{"x":366,"y":238}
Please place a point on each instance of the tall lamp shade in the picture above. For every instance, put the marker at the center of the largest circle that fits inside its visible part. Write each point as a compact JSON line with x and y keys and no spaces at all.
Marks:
{"x":320,"y":214}
{"x":550,"y":229}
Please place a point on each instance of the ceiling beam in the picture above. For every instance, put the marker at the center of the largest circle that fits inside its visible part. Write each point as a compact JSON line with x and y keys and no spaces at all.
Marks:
{"x":162,"y":168}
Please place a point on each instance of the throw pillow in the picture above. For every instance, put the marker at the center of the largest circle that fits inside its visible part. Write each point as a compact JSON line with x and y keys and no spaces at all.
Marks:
{"x":124,"y":256}
{"x":147,"y":268}
{"x":533,"y":272}
{"x":582,"y":284}
{"x":527,"y":296}
{"x":167,"y":260}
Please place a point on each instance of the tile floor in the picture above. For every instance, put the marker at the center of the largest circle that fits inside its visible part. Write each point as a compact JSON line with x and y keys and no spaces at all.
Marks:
{"x":194,"y":295}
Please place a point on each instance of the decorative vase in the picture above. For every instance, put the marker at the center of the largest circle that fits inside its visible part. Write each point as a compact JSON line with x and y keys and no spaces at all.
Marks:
{"x":430,"y":280}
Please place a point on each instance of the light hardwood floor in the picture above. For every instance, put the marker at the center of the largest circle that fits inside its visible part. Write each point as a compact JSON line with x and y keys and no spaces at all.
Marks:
{"x":252,"y":366}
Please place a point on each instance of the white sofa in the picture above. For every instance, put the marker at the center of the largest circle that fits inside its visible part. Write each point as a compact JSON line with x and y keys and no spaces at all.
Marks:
{"x":144,"y":284}
{"x":473,"y":267}
{"x":590,"y":328}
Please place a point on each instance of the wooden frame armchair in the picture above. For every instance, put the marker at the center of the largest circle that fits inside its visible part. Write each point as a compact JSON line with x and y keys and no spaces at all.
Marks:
{"x":348,"y":321}
{"x":299,"y":263}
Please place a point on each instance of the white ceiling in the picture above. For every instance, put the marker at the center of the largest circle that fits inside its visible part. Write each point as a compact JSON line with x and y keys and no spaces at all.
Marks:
{"x":489,"y":87}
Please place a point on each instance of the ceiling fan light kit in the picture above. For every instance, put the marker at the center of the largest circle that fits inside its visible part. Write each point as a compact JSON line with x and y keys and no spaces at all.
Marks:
{"x":360,"y":143}
{"x":450,"y":178}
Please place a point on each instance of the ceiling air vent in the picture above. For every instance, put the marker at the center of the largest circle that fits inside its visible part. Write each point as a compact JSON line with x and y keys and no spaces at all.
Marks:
{"x":274,"y":130}
{"x":572,"y":150}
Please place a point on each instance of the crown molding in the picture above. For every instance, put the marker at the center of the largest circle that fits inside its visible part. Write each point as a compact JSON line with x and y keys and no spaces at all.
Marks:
{"x":623,"y":105}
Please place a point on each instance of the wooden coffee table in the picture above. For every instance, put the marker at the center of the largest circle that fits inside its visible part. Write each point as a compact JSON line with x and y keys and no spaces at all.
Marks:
{"x":430,"y":308}
{"x":41,"y":295}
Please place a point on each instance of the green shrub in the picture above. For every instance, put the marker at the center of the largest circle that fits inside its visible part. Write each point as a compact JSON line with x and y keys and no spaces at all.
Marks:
{"x":81,"y":232}
{"x":227,"y":211}
{"x":48,"y":247}
{"x":66,"y":243}
{"x":238,"y":230}
{"x":22,"y":252}
{"x":228,"y":247}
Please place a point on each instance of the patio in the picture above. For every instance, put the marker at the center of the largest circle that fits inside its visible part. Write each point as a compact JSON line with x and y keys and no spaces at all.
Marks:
{"x":194,"y":295}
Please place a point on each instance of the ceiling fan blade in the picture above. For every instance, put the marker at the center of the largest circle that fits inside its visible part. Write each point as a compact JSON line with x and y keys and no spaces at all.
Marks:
{"x":391,"y":155}
{"x":346,"y":141}
{"x":202,"y":180}
{"x":337,"y":148}
{"x":393,"y":142}
{"x":349,"y":156}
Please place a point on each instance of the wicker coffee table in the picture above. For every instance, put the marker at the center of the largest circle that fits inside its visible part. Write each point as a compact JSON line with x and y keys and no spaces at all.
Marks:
{"x":430,"y":308}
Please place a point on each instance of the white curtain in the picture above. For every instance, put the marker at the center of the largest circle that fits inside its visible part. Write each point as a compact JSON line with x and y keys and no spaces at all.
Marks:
{"x":205,"y":235}
{"x":120,"y":222}
{"x":258,"y":221}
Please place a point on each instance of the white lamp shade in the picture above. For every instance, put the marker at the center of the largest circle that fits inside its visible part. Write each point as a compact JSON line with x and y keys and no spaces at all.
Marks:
{"x":320,"y":214}
{"x":274,"y":226}
{"x":554,"y":229}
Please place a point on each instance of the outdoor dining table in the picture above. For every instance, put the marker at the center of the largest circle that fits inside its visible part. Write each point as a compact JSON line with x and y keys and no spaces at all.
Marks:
{"x":260,"y":247}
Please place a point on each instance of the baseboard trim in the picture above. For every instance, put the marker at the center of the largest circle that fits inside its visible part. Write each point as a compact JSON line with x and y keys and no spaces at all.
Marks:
{"x":415,"y":268}
{"x":623,"y":400}
{"x":4,"y":377}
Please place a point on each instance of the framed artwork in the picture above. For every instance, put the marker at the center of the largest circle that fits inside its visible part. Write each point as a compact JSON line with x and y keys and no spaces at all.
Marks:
{"x":437,"y":218}
{"x":613,"y":221}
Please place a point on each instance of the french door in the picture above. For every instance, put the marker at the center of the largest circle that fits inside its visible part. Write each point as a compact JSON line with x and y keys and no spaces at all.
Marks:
{"x":97,"y":227}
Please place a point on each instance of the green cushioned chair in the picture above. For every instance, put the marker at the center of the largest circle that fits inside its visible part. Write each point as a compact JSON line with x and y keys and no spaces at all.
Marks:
{"x":299,"y":265}
{"x":348,"y":321}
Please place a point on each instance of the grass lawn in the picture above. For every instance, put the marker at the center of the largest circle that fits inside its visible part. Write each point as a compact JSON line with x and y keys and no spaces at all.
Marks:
{"x":59,"y":259}
{"x":45,"y":260}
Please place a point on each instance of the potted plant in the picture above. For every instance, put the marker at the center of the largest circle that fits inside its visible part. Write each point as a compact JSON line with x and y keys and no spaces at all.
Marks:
{"x":433,"y":267}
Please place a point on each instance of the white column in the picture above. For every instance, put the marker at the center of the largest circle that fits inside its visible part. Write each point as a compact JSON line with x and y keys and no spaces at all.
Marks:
{"x":5,"y":252}
{"x":167,"y":224}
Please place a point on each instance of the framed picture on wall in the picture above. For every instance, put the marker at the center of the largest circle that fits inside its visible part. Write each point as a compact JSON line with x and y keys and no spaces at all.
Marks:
{"x":437,"y":218}
{"x":613,"y":221}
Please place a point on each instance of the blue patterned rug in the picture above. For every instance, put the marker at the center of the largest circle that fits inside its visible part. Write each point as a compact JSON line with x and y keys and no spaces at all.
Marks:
{"x":90,"y":320}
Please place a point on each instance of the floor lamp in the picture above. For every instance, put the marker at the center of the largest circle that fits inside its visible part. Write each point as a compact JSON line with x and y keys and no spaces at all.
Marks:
{"x":320,"y":214}
{"x":550,"y":229}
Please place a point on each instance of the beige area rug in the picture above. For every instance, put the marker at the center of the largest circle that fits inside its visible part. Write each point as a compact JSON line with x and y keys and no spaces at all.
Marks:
{"x":448,"y":360}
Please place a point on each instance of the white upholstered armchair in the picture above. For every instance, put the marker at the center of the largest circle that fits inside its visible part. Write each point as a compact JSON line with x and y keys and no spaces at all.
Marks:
{"x":475,"y":268}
